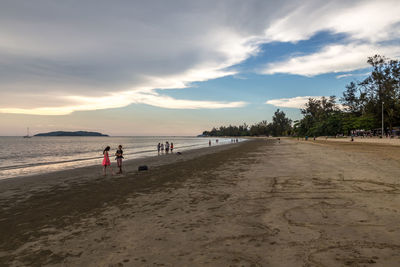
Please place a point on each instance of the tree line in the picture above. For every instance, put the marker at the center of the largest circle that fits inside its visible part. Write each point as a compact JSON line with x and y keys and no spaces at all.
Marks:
{"x":359,"y":108}
{"x":280,"y":125}
{"x":361,"y":104}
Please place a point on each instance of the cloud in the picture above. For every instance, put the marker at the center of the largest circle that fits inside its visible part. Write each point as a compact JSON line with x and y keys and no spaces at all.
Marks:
{"x":370,"y":27}
{"x":293,"y":102}
{"x":351,"y":75}
{"x":361,"y":20}
{"x":145,"y":94}
{"x":124,"y":99}
{"x":80,"y":55}
{"x":97,"y":49}
{"x":332,"y":58}
{"x":169,"y":102}
{"x":297,"y":102}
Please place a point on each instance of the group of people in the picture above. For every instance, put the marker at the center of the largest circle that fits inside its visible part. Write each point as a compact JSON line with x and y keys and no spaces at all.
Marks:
{"x":119,"y":156}
{"x":209,"y":142}
{"x":107,"y":163}
{"x":167,"y":147}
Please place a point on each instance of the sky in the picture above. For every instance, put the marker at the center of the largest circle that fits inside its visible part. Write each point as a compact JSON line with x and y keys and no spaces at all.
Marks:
{"x":180,"y":67}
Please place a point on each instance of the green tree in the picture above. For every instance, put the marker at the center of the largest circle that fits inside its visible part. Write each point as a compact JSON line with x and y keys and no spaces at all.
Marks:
{"x":281,"y":125}
{"x":383,"y":87}
{"x":321,"y":117}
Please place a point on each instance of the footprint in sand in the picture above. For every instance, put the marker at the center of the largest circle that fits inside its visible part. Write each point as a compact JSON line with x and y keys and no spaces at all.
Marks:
{"x":357,"y":255}
{"x":303,"y":216}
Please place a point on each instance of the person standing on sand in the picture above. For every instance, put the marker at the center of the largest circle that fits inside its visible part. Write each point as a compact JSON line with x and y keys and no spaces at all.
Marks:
{"x":166,"y":147}
{"x":106,"y":161}
{"x":119,"y":158}
{"x":209,"y":142}
{"x":172,"y":147}
{"x":158,"y":148}
{"x":162,"y":148}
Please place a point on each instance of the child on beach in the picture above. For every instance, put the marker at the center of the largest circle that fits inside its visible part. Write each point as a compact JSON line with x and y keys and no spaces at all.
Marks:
{"x":158,"y":148}
{"x":162,"y":148}
{"x":172,"y":147}
{"x":119,"y":158}
{"x":106,"y":161}
{"x":166,"y":147}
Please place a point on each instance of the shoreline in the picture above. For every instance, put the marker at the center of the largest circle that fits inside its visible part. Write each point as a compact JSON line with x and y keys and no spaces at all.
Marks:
{"x":86,"y":173}
{"x":36,"y":165}
{"x":305,"y":203}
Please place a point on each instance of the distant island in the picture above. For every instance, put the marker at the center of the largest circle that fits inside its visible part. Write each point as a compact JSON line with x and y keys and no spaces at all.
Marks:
{"x":78,"y":133}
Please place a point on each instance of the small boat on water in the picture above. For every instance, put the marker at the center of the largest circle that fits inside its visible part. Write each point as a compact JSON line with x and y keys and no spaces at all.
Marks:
{"x":27,"y":134}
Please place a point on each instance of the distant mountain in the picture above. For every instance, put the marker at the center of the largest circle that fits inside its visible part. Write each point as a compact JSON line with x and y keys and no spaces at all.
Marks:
{"x":78,"y":133}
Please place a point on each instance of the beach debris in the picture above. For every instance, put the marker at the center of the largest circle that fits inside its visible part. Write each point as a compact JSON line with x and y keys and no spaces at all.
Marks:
{"x":143,"y":168}
{"x":179,"y":153}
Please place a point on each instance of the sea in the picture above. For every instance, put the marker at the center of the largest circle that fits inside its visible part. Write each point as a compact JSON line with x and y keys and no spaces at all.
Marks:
{"x":37,"y":155}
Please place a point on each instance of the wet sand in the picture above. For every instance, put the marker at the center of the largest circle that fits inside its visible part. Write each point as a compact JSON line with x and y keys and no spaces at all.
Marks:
{"x":258,"y":203}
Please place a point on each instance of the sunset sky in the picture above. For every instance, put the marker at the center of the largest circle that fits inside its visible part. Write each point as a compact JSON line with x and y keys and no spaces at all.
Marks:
{"x":180,"y":67}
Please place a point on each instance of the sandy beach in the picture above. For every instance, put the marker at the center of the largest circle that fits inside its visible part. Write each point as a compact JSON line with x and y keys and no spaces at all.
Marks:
{"x":256,"y":203}
{"x":370,"y":140}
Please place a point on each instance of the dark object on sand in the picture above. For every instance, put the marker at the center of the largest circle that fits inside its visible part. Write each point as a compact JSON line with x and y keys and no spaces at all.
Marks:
{"x":178,"y":153}
{"x":143,"y":168}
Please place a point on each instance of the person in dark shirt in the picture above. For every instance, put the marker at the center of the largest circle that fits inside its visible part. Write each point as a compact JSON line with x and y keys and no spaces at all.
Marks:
{"x":119,"y":157}
{"x":166,"y":147}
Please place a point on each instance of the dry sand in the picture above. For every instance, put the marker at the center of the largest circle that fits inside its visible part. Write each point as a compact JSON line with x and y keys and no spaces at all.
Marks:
{"x":258,"y":203}
{"x":373,"y":140}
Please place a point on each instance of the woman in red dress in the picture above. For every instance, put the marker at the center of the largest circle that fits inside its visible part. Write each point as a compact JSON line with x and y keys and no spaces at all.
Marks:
{"x":106,"y":161}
